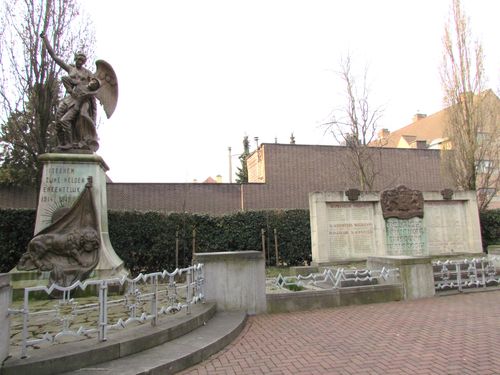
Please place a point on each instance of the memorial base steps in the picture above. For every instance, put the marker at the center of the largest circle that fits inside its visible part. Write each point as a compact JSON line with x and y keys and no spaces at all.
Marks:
{"x":174,"y":344}
{"x":178,"y":354}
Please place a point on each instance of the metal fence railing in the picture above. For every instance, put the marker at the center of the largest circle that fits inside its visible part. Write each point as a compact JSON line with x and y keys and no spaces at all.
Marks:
{"x":108,"y":304}
{"x":332,"y":278}
{"x":466,"y":273}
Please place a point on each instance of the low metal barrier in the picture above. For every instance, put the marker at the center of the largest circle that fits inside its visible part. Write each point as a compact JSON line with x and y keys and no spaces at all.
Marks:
{"x":146,"y":298}
{"x":332,"y":278}
{"x":466,"y":273}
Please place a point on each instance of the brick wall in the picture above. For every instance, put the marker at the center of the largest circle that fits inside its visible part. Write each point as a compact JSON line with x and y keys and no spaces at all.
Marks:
{"x":291,"y":172}
{"x":176,"y":197}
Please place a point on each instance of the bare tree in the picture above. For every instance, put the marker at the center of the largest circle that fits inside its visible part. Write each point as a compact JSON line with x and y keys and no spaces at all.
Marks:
{"x":29,"y":89}
{"x":354,"y":125}
{"x":473,"y":114}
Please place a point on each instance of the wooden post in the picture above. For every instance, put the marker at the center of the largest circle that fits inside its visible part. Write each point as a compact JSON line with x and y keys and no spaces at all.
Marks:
{"x":263,"y":235}
{"x":276,"y":246}
{"x":194,"y":246}
{"x":176,"y":249}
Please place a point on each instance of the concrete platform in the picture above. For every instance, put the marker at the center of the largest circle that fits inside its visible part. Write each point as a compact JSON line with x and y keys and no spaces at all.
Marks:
{"x":178,"y":354}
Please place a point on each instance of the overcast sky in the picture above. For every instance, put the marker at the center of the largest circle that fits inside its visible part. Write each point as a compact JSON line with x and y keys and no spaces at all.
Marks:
{"x":195,"y":77}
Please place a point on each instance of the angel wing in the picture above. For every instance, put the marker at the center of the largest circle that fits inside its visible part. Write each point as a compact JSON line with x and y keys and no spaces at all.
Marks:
{"x":108,"y":92}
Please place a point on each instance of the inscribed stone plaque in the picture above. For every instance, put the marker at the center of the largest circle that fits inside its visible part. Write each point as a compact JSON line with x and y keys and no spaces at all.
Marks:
{"x":350,"y":229}
{"x":405,"y":237}
{"x":445,"y":227}
{"x":61,"y":186}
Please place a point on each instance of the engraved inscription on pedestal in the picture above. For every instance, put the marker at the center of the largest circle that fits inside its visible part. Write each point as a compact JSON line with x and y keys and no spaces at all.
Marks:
{"x":350,"y":229}
{"x":61,"y":186}
{"x":405,"y":237}
{"x":445,"y":223}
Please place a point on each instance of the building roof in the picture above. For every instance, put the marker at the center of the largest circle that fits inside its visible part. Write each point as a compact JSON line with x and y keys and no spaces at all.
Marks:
{"x":209,"y":180}
{"x":424,"y":129}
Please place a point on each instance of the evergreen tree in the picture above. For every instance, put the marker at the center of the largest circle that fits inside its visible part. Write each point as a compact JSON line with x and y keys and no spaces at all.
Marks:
{"x":242,"y":173}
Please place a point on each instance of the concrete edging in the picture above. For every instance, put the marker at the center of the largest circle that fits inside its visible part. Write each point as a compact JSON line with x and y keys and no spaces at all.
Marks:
{"x":321,"y":299}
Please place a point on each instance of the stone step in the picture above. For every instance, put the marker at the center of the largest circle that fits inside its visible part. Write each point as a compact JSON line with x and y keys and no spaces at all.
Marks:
{"x":59,"y":358}
{"x":178,"y":354}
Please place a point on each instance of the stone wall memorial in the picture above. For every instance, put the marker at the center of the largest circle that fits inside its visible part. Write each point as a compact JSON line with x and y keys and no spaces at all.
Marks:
{"x":354,"y":225}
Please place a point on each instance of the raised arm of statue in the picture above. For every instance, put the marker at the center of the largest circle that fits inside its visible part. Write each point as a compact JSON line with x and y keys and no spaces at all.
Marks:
{"x":52,"y":54}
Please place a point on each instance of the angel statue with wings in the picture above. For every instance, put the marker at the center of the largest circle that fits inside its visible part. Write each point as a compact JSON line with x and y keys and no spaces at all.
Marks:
{"x":76,"y":114}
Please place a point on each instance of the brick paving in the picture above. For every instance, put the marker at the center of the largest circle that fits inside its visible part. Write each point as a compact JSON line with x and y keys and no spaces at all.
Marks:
{"x":458,"y":334}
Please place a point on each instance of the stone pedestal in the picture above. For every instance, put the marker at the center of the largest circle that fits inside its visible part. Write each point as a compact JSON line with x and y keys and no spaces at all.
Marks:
{"x":5,"y":301}
{"x":415,"y":273}
{"x":63,"y":180}
{"x":235,"y":280}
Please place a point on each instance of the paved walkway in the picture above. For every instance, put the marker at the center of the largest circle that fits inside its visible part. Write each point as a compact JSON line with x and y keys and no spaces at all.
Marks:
{"x":457,"y":334}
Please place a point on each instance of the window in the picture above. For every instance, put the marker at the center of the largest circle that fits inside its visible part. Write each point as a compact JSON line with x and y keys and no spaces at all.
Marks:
{"x":484,"y":166}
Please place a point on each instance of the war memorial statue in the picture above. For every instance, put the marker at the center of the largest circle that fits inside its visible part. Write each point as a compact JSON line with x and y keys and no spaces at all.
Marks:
{"x":76,"y":114}
{"x":71,"y":231}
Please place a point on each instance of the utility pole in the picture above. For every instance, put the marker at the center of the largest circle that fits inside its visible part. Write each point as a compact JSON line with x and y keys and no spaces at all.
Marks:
{"x":230,"y":166}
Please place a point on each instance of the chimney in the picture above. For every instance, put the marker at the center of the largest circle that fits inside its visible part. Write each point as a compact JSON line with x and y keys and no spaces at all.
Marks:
{"x":419,"y":116}
{"x":421,"y":145}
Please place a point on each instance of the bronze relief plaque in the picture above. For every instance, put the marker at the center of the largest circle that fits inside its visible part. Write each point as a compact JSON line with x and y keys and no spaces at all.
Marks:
{"x":402,"y":203}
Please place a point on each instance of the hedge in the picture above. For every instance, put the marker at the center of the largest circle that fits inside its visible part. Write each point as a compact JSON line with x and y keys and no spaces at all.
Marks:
{"x":146,"y":241}
{"x":16,"y":230}
{"x":490,"y":227}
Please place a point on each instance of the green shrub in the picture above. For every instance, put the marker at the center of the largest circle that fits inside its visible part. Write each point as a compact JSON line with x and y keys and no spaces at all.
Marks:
{"x":294,"y":287}
{"x":490,"y":227}
{"x":293,"y":235}
{"x":147,"y":241}
{"x":16,"y":230}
